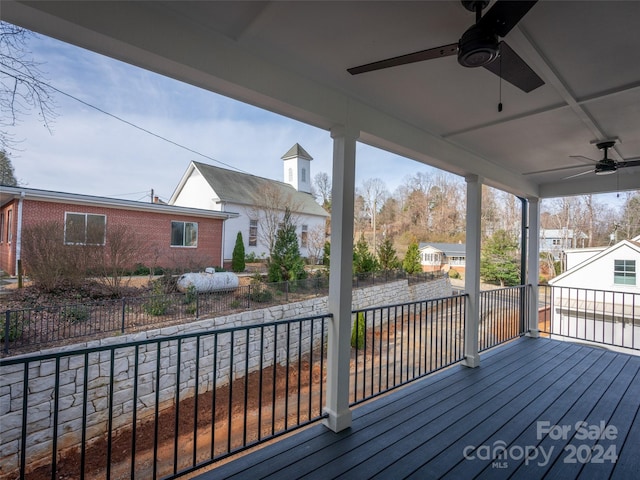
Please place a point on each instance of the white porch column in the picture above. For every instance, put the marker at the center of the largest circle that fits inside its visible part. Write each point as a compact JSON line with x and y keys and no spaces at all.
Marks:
{"x":533,"y":264}
{"x":340,"y":279}
{"x":472,"y":270}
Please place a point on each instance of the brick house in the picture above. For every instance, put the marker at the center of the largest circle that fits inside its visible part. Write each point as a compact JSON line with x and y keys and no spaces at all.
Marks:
{"x":171,"y":236}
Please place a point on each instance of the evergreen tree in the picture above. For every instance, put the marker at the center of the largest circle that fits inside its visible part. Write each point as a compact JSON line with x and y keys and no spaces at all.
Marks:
{"x":498,"y":259}
{"x":7,"y":176}
{"x":363,"y":260}
{"x":411,"y":262}
{"x":237,"y":259}
{"x":326,"y":254}
{"x":387,"y":256}
{"x":286,"y":263}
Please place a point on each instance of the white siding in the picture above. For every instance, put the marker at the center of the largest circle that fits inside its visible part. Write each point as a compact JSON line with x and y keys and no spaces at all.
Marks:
{"x":197,"y":193}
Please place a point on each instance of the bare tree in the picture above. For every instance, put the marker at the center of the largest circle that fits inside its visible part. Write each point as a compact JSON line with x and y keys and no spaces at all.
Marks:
{"x":322,"y":183}
{"x":315,"y":243}
{"x":269,"y":212}
{"x":122,"y":249}
{"x":22,"y":84}
{"x":374,"y":192}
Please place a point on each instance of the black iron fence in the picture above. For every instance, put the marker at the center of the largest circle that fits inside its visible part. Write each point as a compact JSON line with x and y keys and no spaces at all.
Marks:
{"x":162,"y":407}
{"x":393,"y":345}
{"x":599,"y":316}
{"x":504,"y":315}
{"x":34,"y":327}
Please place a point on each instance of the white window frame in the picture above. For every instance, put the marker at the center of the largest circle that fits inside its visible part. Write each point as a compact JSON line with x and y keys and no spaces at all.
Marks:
{"x":85,"y":240}
{"x":253,"y":233}
{"x":624,"y":272}
{"x":186,"y":243}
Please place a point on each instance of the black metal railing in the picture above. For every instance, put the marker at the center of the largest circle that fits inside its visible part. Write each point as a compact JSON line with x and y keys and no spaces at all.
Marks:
{"x":163,"y":407}
{"x":600,"y":316}
{"x":504,"y":315}
{"x":30,"y":328}
{"x":393,"y":345}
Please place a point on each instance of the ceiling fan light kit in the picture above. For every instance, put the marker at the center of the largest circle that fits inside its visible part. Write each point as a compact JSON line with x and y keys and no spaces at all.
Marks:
{"x":477,"y":47}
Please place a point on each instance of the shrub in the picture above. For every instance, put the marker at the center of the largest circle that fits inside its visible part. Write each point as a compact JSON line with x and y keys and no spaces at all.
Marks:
{"x":237,"y":259}
{"x":159,"y":303}
{"x":77,"y":313}
{"x":48,"y":261}
{"x":358,"y":332}
{"x":260,"y":294}
{"x":17,"y":324}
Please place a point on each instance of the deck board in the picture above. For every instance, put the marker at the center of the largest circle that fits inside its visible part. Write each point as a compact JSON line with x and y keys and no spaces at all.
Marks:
{"x":421,"y":430}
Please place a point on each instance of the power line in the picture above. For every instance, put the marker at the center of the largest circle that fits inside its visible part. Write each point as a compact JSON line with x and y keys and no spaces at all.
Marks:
{"x":127,"y":122}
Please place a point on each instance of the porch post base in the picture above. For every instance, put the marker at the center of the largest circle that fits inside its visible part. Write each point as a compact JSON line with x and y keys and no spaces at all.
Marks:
{"x":337,"y":421}
{"x":533,"y":333}
{"x":471,"y":361}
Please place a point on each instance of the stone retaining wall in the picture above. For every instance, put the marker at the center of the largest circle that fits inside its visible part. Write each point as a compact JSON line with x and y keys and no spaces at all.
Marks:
{"x":158,"y":355}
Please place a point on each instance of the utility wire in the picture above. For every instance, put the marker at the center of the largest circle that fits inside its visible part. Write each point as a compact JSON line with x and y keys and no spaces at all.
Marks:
{"x":127,"y":122}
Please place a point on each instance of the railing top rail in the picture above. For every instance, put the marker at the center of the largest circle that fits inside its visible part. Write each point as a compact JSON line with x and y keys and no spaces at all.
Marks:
{"x":501,"y":289}
{"x":589,"y":289}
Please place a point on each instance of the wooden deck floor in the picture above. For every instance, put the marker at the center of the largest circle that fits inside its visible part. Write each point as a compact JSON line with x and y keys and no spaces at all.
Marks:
{"x":454,"y":423}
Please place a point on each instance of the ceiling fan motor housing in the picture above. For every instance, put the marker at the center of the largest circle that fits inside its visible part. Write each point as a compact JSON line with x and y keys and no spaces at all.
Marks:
{"x":477,"y":47}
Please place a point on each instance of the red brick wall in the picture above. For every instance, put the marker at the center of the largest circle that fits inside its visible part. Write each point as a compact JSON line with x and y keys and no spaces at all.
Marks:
{"x":152,"y":229}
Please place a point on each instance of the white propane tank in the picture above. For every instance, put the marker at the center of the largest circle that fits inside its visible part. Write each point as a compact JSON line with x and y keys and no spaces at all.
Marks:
{"x":208,"y":281}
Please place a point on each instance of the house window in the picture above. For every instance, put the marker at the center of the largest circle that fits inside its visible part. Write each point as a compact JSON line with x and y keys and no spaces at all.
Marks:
{"x":624,"y":272}
{"x":253,"y":233}
{"x":291,"y":174}
{"x":303,"y":175}
{"x":304,"y":235}
{"x":184,"y":234}
{"x":555,"y":241}
{"x":84,"y":229}
{"x":1,"y":227}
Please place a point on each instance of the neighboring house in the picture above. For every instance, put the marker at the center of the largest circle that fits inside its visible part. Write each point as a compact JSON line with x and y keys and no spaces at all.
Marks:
{"x":604,"y":289}
{"x":436,"y":257}
{"x":575,"y":256}
{"x":260,"y":202}
{"x":555,"y":241}
{"x":171,"y":236}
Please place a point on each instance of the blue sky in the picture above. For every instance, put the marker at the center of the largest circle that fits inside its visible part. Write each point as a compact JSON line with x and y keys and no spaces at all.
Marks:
{"x":92,"y":153}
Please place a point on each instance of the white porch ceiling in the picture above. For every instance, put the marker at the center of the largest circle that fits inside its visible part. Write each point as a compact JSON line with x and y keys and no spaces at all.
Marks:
{"x":291,"y":58}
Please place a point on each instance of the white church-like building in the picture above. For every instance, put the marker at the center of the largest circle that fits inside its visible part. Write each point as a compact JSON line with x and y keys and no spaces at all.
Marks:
{"x":258,"y":202}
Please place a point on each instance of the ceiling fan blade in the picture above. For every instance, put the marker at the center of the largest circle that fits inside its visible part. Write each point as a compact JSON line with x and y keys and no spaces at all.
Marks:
{"x":559,"y":169}
{"x":514,"y":70}
{"x":443,"y":51}
{"x":579,"y":174}
{"x":588,"y":160}
{"x":632,"y":162}
{"x":504,"y":15}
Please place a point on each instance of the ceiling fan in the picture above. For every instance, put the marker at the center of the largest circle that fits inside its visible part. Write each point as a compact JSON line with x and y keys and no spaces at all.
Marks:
{"x":605,"y":166}
{"x":479,"y":46}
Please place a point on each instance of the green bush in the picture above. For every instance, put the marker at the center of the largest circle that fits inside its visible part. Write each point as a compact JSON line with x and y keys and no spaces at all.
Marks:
{"x":159,"y":303}
{"x":77,"y":313}
{"x":358,"y":332}
{"x":454,"y":274}
{"x":17,"y":324}
{"x":191,"y":295}
{"x":237,"y":258}
{"x":260,"y":294}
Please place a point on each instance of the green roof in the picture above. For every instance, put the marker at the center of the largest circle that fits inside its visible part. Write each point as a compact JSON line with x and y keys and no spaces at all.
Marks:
{"x":245,"y":189}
